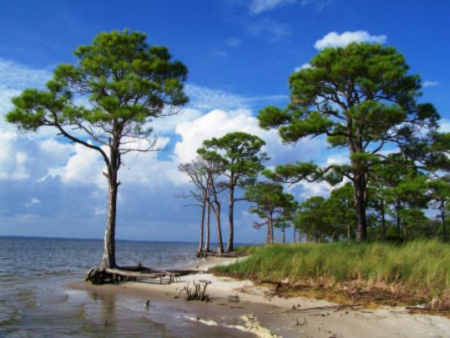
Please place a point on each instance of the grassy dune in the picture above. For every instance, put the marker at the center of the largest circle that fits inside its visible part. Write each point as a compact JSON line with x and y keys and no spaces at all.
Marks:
{"x":419,"y":269}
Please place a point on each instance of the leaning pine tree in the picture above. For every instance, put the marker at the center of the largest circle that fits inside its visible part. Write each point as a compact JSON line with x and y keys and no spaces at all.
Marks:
{"x":362,"y":98}
{"x":127,"y":83}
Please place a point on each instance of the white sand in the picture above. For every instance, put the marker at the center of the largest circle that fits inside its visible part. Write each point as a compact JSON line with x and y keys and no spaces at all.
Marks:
{"x":261,"y":314}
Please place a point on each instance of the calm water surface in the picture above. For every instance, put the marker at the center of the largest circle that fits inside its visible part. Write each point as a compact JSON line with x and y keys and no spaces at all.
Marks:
{"x":34,"y":301}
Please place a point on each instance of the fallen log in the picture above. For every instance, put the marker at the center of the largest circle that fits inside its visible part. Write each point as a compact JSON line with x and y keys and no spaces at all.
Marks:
{"x":134,"y":273}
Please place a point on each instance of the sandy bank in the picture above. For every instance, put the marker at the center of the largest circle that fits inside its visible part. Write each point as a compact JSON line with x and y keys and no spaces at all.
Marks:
{"x":262,"y":315}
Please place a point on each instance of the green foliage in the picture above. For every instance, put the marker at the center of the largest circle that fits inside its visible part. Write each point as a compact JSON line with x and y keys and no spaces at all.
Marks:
{"x":295,"y":172}
{"x":360,"y":97}
{"x":311,"y":218}
{"x":240,"y":154}
{"x":362,"y":86}
{"x":341,"y":214}
{"x":268,"y":198}
{"x":416,"y":265}
{"x":126,"y":82}
{"x":272,"y":205}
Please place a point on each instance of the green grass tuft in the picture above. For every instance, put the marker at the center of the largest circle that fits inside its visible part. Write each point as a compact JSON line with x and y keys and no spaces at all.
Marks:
{"x":416,"y":265}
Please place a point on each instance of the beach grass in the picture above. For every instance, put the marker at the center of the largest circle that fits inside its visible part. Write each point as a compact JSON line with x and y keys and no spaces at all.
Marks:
{"x":417,"y":266}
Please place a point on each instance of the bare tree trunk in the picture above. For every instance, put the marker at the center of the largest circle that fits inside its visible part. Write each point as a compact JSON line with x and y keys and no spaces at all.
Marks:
{"x":294,"y":239}
{"x":219,"y":231}
{"x":202,"y":226}
{"x":109,"y":250}
{"x":230,"y":246}
{"x":208,"y":233}
{"x":283,"y":230}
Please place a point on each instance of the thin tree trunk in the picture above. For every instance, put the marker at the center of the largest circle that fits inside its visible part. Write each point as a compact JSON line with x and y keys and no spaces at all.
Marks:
{"x":270,"y":231}
{"x":219,"y":231}
{"x":208,"y":232}
{"x":109,"y":250}
{"x":283,"y":230}
{"x":294,"y":239}
{"x":230,"y":247}
{"x":202,"y":227}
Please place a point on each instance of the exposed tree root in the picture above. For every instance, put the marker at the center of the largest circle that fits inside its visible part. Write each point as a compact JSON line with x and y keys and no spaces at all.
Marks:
{"x":135,"y":273}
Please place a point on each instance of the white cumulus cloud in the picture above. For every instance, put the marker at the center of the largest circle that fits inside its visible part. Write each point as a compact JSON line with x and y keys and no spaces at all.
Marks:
{"x":217,"y":123}
{"x":334,"y":39}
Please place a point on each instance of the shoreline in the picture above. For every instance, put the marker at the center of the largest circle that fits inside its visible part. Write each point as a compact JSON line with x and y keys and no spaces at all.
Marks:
{"x":264,"y":315}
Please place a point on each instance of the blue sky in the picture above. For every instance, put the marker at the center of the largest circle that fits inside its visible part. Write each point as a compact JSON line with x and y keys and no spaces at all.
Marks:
{"x":239,"y":54}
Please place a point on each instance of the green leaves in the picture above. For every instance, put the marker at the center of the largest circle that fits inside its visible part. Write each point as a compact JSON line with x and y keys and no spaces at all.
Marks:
{"x":269,"y":199}
{"x":296,"y":172}
{"x":353,"y":95}
{"x":122,"y":82}
{"x":272,"y":117}
{"x":240,"y":154}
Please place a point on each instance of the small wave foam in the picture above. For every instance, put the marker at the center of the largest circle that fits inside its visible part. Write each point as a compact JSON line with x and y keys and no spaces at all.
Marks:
{"x":202,"y":320}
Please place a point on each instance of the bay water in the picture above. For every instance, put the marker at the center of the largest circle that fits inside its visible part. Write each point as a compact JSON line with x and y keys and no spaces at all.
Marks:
{"x":36,"y":302}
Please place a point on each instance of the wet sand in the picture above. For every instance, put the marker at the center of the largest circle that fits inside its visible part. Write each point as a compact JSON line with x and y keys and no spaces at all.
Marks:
{"x":259,"y":314}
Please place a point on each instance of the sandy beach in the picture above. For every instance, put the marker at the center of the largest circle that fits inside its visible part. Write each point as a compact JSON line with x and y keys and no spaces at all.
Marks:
{"x":259,"y":314}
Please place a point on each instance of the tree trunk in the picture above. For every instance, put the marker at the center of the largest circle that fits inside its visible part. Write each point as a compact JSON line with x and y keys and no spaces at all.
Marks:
{"x":208,"y":232}
{"x":270,"y":231}
{"x":294,"y":239}
{"x":283,"y":230}
{"x":219,"y":231}
{"x":109,"y":250}
{"x":360,"y":205}
{"x":202,"y":227}
{"x":230,"y":247}
{"x":359,"y":178}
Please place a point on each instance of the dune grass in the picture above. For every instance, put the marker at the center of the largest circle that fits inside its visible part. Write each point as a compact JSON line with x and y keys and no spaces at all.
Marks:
{"x":417,"y":265}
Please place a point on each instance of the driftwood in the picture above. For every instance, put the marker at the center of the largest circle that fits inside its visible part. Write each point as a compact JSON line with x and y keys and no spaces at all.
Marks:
{"x":135,"y":273}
